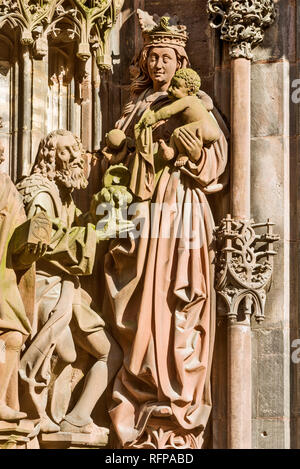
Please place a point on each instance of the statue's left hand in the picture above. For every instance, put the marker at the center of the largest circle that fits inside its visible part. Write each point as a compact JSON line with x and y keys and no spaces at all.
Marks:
{"x":31,"y":253}
{"x":147,"y":119}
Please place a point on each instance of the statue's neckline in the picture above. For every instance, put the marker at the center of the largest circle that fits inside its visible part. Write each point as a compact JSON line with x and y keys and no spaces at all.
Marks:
{"x":152,"y":95}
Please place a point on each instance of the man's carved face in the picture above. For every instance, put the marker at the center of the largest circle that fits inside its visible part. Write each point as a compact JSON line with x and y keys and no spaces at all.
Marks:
{"x":69,"y":162}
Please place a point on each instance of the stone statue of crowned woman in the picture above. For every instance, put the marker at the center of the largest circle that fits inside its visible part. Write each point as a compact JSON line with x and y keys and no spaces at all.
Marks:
{"x":160,"y":282}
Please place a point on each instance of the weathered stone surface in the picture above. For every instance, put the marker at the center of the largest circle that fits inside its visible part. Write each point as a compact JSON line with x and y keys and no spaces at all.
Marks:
{"x":269,"y":88}
{"x":280,"y":38}
{"x":271,"y":382}
{"x":269,"y":373}
{"x":270,"y":433}
{"x":269,"y":175}
{"x":270,"y":341}
{"x":222,"y":91}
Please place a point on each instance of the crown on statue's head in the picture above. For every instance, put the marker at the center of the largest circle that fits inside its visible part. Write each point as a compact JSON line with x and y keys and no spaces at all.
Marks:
{"x":162,"y":30}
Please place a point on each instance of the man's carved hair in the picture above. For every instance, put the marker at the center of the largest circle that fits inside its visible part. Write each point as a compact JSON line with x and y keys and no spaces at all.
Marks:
{"x":45,"y":160}
{"x":191,"y":78}
{"x":45,"y":163}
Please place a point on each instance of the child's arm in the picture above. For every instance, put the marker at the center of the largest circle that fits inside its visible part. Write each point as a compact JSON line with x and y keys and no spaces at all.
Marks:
{"x":151,"y":117}
{"x":174,"y":108}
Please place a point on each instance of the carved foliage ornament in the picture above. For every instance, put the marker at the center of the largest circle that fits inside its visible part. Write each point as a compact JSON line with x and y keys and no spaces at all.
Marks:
{"x":241,"y":22}
{"x":89,"y":20}
{"x":167,"y":438}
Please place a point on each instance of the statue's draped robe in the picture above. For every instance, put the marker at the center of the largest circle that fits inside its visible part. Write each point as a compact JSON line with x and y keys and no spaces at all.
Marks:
{"x":71,"y":254}
{"x":12,"y":311}
{"x":16,"y":291}
{"x":159,"y":287}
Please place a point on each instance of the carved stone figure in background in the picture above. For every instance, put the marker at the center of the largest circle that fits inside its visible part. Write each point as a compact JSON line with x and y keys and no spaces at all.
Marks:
{"x":14,"y":321}
{"x":159,"y":291}
{"x":63,"y":311}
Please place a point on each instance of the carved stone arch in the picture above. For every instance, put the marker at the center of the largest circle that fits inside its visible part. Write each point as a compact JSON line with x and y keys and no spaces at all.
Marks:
{"x":248,"y":302}
{"x":63,"y":35}
{"x":63,"y":30}
{"x":9,"y":82}
{"x":60,"y":90}
{"x":75,"y":25}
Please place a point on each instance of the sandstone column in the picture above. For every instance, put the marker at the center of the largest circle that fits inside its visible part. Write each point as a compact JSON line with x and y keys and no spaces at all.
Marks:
{"x":26,"y":87}
{"x":239,"y":331}
{"x":243,"y":29}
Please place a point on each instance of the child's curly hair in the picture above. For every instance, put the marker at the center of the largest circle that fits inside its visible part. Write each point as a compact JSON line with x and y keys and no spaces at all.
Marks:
{"x":191,"y":78}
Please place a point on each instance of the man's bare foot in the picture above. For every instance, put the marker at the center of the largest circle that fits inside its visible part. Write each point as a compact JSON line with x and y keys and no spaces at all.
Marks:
{"x":167,"y":152}
{"x":181,"y":161}
{"x":9,"y":414}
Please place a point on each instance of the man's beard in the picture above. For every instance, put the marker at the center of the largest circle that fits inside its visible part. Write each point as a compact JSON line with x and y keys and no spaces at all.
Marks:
{"x":72,"y":178}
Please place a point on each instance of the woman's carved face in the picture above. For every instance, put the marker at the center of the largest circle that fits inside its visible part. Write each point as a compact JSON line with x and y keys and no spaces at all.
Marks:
{"x":162,"y":64}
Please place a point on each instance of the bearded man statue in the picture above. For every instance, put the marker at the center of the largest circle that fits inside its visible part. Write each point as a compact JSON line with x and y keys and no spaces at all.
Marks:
{"x":63,"y":312}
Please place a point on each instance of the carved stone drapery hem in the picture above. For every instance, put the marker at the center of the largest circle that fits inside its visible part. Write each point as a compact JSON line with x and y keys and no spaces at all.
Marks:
{"x":241,"y":22}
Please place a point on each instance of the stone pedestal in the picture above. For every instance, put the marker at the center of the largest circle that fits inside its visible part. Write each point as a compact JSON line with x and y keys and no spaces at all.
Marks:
{"x":67,"y":440}
{"x":18,"y":435}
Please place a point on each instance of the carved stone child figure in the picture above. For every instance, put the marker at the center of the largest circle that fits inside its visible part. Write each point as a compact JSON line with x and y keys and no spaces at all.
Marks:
{"x":182,"y":91}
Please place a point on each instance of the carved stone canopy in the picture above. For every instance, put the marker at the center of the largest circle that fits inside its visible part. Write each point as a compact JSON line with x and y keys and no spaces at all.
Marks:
{"x":90,"y":22}
{"x":241,"y":22}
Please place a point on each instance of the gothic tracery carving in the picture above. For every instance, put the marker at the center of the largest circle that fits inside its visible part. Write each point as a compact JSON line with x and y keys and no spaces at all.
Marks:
{"x":244,"y":266}
{"x":90,"y":21}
